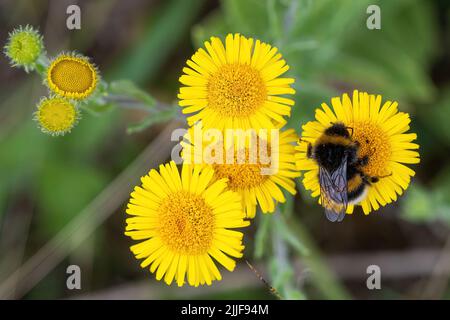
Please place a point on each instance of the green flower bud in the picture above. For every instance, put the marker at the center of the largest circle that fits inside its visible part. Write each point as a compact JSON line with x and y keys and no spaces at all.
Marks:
{"x":24,"y":47}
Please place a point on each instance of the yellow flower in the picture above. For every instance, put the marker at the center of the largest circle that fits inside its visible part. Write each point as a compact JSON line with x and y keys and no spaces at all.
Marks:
{"x":182,"y":222}
{"x":236,"y":85}
{"x":24,"y":47}
{"x":72,"y":76}
{"x":381,"y":131}
{"x":56,"y":116}
{"x":257,"y":168}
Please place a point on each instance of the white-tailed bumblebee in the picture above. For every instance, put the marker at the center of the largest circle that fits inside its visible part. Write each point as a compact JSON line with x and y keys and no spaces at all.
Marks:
{"x":341,"y":177}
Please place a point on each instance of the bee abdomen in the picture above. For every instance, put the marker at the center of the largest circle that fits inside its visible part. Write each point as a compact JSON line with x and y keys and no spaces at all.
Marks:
{"x":357,"y":194}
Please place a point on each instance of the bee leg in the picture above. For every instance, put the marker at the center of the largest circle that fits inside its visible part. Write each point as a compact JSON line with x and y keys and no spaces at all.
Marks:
{"x":309,"y":151}
{"x":351,"y":133}
{"x":309,"y":148}
{"x":363,"y":161}
{"x":368,"y":180}
{"x":376,"y":179}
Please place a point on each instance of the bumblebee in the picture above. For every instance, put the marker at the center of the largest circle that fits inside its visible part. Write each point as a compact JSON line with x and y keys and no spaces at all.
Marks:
{"x":341,"y":177}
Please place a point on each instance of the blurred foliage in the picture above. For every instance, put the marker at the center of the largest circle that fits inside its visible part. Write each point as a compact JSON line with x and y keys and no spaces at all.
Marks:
{"x":429,"y":203}
{"x":160,"y":37}
{"x":329,"y":50}
{"x":422,"y":206}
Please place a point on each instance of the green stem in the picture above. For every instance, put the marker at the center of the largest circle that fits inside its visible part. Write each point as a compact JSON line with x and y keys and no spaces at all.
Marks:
{"x":262,"y":232}
{"x":42,"y":65}
{"x":274,"y":21}
{"x":285,"y":268}
{"x":323,"y":278}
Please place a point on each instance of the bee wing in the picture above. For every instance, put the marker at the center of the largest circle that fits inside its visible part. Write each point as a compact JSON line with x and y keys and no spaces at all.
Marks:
{"x":333,"y":191}
{"x":333,"y":216}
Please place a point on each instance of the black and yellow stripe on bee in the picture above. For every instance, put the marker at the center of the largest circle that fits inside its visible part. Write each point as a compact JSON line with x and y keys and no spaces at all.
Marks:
{"x":355,"y":186}
{"x":354,"y":182}
{"x":335,"y":140}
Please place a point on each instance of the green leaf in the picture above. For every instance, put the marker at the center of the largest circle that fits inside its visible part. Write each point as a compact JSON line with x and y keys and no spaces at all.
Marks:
{"x":287,"y":208}
{"x":388,"y":58}
{"x":294,"y":294}
{"x":322,"y":277}
{"x":160,"y":38}
{"x":282,"y":273}
{"x":262,"y":234}
{"x":433,"y":117}
{"x":291,"y":238}
{"x":126,"y":89}
{"x":246,"y":17}
{"x":97,"y":107}
{"x":417,"y":204}
{"x":153,"y":118}
{"x":213,"y":25}
{"x":4,"y":193}
{"x":431,"y":203}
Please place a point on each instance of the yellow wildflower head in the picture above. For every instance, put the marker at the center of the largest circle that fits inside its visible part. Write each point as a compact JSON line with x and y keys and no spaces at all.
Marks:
{"x":56,"y":115}
{"x":258,"y":164}
{"x":184,"y":220}
{"x":72,"y":76}
{"x":236,"y":85}
{"x":381,"y":132}
{"x":24,"y":47}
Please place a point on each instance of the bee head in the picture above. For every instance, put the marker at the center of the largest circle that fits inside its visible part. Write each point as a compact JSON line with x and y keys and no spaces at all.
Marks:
{"x":337,"y":129}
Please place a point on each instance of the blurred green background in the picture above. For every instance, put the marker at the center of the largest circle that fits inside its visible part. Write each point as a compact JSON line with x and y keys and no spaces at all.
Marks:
{"x":62,"y":199}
